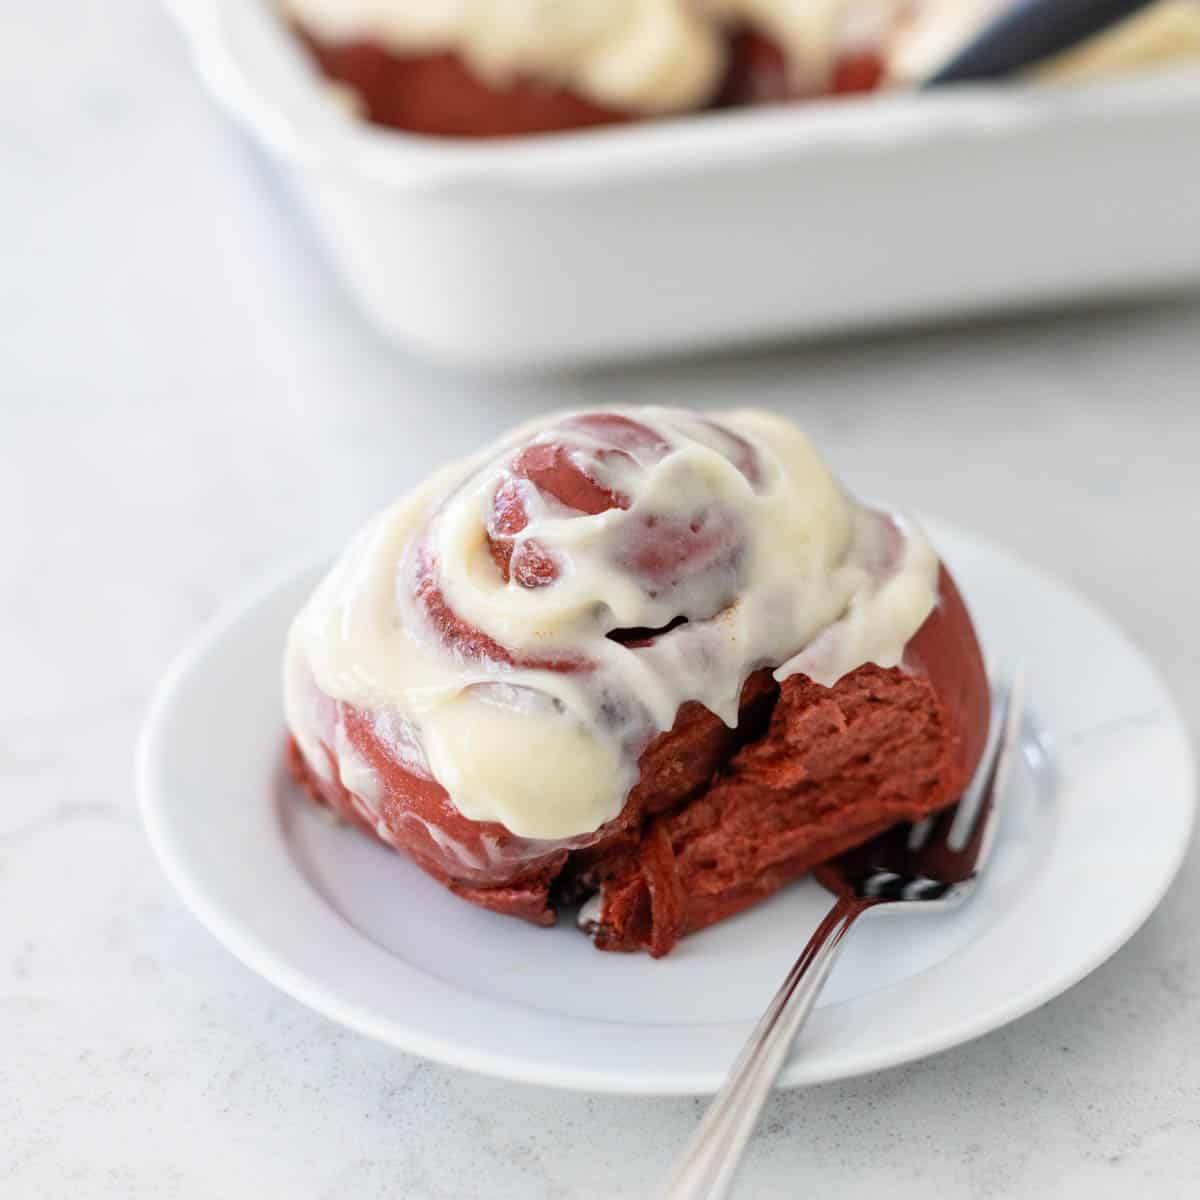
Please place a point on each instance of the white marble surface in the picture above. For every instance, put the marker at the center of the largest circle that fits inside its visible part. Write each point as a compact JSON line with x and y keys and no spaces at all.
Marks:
{"x":187,"y":400}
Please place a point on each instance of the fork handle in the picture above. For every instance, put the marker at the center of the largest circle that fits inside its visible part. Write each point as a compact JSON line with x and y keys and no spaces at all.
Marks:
{"x":708,"y":1164}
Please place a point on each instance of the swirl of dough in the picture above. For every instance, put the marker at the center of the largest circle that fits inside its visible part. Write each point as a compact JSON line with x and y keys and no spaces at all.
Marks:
{"x":532,"y":619}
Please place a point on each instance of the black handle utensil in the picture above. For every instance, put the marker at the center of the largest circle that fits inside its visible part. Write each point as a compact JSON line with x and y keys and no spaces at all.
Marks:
{"x":1028,"y":32}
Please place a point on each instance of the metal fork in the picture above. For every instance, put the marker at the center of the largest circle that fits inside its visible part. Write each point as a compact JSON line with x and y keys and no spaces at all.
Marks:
{"x":923,"y":868}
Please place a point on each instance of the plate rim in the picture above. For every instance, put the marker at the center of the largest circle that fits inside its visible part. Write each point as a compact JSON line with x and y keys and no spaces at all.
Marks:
{"x":265,"y":960}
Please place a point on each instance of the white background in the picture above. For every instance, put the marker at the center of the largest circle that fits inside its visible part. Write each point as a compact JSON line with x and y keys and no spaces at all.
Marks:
{"x":187,"y":400}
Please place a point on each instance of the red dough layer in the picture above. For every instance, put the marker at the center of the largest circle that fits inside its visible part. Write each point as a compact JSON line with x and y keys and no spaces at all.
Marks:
{"x":835,"y":767}
{"x":758,"y":74}
{"x":438,"y":94}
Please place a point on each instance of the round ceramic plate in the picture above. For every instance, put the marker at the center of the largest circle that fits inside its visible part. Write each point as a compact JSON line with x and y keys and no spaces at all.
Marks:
{"x":1103,"y":792}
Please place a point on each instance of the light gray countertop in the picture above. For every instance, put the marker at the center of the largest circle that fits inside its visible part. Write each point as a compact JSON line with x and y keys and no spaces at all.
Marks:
{"x":188,"y":400}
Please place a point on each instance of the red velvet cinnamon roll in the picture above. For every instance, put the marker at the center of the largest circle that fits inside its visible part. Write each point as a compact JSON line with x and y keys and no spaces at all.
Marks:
{"x":648,"y":659}
{"x":501,"y":67}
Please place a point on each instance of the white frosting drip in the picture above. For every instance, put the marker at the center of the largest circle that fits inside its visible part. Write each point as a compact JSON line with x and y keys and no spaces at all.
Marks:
{"x":650,"y":56}
{"x":784,"y":568}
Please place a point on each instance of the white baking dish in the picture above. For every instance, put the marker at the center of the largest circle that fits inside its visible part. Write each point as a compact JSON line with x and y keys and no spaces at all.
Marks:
{"x":725,"y":228}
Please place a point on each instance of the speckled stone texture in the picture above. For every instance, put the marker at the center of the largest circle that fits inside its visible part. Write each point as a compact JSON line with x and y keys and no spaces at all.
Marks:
{"x":178,"y":368}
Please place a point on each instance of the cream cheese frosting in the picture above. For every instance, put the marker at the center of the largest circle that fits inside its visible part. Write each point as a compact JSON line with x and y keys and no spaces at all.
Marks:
{"x":508,"y":686}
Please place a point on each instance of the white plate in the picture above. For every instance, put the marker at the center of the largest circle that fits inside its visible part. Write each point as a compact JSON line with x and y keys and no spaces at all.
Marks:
{"x":1098,"y":819}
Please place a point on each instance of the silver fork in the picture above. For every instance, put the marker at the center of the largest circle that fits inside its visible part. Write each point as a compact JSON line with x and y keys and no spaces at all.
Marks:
{"x":922,"y":868}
